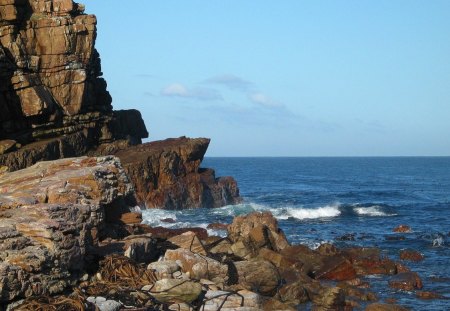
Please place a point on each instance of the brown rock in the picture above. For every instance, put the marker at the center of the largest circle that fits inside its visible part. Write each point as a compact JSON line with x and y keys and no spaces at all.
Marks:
{"x":228,"y":301}
{"x":189,"y":241}
{"x":257,"y":230}
{"x":402,"y":228}
{"x":166,"y":233}
{"x":50,"y":81}
{"x":411,"y":255}
{"x":336,"y":268}
{"x":406,"y":281}
{"x":167,"y":174}
{"x":367,"y":261}
{"x":259,"y":276}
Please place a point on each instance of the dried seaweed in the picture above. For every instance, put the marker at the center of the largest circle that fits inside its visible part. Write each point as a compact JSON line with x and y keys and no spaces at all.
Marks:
{"x":123,"y":271}
{"x":74,"y":303}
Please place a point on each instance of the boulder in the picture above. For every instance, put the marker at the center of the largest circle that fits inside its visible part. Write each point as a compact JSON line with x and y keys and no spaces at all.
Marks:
{"x":198,"y":266}
{"x":259,"y":276}
{"x":190,"y":241}
{"x":402,"y":229}
{"x":176,"y":291}
{"x":164,"y":269}
{"x":406,"y":281}
{"x":257,"y":230}
{"x":411,"y":255}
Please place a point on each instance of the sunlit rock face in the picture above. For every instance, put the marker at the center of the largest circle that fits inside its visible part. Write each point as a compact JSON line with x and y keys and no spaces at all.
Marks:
{"x":50,"y":78}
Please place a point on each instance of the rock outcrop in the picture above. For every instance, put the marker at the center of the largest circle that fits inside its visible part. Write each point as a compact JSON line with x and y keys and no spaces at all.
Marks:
{"x":167,"y":174}
{"x":55,"y":105}
{"x":52,"y":95}
{"x":52,"y":216}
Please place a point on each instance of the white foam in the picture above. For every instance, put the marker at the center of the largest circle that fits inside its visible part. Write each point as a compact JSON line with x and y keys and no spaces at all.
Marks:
{"x":154,"y":216}
{"x":311,"y":213}
{"x":374,"y":210}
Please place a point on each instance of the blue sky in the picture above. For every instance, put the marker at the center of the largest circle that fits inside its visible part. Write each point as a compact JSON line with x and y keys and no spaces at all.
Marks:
{"x":283,"y":78}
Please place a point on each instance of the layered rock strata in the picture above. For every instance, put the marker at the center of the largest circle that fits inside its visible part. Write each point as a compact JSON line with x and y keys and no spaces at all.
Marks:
{"x":52,"y":216}
{"x":51,"y":84}
{"x":167,"y":174}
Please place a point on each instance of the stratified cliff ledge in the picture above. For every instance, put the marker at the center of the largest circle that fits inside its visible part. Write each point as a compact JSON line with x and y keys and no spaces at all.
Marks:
{"x":167,"y":174}
{"x":54,"y":104}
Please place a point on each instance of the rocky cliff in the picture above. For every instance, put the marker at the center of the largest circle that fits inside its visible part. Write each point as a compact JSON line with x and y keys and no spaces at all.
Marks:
{"x":55,"y":105}
{"x":51,"y":85}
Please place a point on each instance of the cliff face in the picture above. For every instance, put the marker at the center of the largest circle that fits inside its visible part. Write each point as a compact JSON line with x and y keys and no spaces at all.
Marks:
{"x":55,"y":105}
{"x":50,"y":79}
{"x":167,"y":174}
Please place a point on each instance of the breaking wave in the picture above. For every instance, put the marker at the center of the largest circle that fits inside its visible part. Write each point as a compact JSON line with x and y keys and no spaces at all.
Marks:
{"x":374,"y":210}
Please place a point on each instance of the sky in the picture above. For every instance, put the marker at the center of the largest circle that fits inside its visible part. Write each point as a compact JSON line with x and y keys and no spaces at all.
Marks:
{"x":283,"y":78}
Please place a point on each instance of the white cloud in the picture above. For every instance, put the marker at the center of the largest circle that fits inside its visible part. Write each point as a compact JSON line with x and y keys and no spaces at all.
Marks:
{"x":264,"y":100}
{"x":179,"y":90}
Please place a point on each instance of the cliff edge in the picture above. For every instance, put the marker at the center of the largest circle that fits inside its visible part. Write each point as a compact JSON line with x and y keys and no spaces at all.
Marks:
{"x":55,"y":105}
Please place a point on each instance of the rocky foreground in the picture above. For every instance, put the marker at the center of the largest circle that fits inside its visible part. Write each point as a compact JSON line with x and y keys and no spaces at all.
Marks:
{"x":71,"y":239}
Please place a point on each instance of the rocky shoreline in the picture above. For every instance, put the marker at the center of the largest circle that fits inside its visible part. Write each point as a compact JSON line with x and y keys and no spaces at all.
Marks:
{"x":74,"y":176}
{"x":72,"y":239}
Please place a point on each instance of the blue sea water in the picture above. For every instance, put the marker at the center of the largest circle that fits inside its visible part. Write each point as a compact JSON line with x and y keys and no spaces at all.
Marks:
{"x":319,"y":200}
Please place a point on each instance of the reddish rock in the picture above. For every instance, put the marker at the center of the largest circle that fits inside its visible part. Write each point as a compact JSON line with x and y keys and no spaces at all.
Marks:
{"x":167,"y":174}
{"x":336,"y":268}
{"x":189,"y":241}
{"x":367,"y":261}
{"x":403,"y":229}
{"x":411,"y":255}
{"x":406,"y":281}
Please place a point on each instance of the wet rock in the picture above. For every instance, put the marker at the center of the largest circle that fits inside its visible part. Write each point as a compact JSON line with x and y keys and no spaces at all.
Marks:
{"x":406,"y":281}
{"x":336,"y":268}
{"x":273,"y":304}
{"x":367,"y":261}
{"x":257,"y":230}
{"x":294,"y":293}
{"x":174,"y":290}
{"x":402,"y":228}
{"x":189,"y":241}
{"x":385,"y":307}
{"x":259,"y":276}
{"x":346,"y":237}
{"x":411,"y":255}
{"x":395,"y":237}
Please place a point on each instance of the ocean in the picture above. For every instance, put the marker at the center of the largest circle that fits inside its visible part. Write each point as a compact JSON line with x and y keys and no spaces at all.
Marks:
{"x":348,"y":202}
